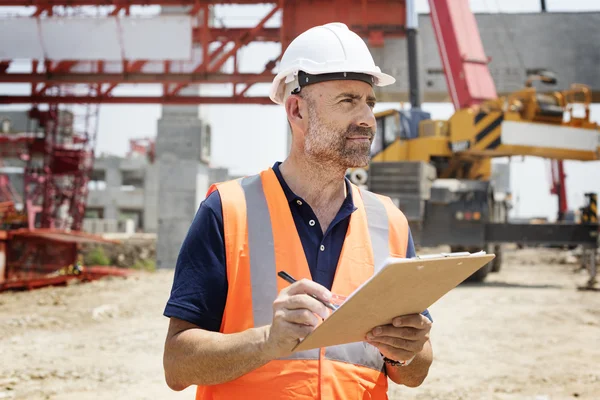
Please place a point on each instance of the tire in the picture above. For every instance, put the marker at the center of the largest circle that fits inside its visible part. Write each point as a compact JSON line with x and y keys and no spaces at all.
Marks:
{"x":481,"y":273}
{"x":497,"y":262}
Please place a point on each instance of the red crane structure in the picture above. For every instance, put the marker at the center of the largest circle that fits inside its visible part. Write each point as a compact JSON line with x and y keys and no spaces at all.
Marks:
{"x":462,"y":54}
{"x":374,"y":19}
{"x":558,"y":187}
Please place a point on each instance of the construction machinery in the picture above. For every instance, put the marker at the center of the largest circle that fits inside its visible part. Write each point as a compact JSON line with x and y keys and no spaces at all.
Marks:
{"x":439,"y":172}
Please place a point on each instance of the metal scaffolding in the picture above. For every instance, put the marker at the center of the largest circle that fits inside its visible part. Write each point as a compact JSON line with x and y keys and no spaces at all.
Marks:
{"x":218,"y":45}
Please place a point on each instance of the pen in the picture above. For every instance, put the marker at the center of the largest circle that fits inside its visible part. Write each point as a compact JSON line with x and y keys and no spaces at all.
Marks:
{"x":290,"y":279}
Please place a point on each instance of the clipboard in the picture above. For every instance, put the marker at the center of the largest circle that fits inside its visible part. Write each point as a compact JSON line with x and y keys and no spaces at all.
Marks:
{"x":402,"y":286}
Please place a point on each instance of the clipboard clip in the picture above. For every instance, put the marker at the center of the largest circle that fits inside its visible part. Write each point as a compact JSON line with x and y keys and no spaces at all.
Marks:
{"x":455,"y":254}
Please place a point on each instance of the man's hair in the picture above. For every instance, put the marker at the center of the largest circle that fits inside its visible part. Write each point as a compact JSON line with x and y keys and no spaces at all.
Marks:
{"x":305,"y":94}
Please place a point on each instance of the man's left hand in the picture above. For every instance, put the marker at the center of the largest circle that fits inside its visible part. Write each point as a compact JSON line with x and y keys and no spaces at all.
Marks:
{"x":403,"y":339}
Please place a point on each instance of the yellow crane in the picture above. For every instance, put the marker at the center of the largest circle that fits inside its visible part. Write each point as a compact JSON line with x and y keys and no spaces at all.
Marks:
{"x":440,"y":172}
{"x":440,"y":175}
{"x":525,"y":123}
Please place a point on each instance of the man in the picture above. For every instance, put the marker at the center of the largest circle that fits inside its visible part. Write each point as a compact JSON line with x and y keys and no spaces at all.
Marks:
{"x":233,"y":323}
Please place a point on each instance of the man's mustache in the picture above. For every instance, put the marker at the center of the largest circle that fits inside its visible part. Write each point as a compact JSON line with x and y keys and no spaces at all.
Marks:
{"x":355,"y":130}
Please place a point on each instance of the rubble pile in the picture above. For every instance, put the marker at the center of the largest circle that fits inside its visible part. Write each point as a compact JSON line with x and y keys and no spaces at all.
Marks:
{"x":130,"y":253}
{"x":546,"y":256}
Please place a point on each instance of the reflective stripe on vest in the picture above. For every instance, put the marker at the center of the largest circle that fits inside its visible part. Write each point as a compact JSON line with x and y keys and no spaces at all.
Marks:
{"x":263,"y":274}
{"x":379,"y":230}
{"x":262,"y":259}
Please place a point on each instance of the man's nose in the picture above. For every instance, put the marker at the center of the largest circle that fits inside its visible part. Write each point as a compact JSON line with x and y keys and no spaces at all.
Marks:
{"x":366,"y":117}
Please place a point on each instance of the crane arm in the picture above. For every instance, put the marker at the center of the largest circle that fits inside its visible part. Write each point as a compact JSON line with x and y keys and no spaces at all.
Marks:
{"x":461,"y":51}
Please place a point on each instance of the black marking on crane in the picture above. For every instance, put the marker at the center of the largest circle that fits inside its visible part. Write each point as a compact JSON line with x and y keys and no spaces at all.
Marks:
{"x":479,"y":117}
{"x":593,"y":209}
{"x":489,"y":128}
{"x":494,"y":144}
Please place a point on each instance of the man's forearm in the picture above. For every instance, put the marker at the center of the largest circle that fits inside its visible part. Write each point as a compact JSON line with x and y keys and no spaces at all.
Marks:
{"x":415,"y":373}
{"x":198,"y":357}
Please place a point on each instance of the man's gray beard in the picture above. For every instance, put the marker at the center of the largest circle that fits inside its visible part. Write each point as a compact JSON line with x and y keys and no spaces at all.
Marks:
{"x":330,"y":146}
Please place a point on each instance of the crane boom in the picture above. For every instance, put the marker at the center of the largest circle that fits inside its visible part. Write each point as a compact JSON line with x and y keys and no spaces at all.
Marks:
{"x":465,"y":68}
{"x":461,"y":51}
{"x":558,"y":187}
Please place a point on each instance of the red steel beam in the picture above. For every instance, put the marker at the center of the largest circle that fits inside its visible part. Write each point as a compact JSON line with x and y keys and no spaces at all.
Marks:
{"x":244,"y":36}
{"x":61,"y":66}
{"x":136,"y":66}
{"x":136,"y":78}
{"x":123,"y":3}
{"x":267,"y":72}
{"x":39,"y":11}
{"x":377,"y":18}
{"x":171,"y":100}
{"x":4,"y":66}
{"x":64,"y":66}
{"x":243,"y":40}
{"x":204,"y":39}
{"x":202,"y":67}
{"x":231,"y":34}
{"x":461,"y":50}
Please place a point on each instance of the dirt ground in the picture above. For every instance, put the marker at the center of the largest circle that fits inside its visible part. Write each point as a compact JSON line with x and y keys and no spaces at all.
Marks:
{"x":526,"y":333}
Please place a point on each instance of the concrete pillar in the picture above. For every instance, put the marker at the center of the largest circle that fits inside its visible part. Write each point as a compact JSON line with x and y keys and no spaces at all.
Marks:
{"x":113,"y":181}
{"x":182,"y":180}
{"x":151,"y":210}
{"x":216,"y":175}
{"x":182,"y":175}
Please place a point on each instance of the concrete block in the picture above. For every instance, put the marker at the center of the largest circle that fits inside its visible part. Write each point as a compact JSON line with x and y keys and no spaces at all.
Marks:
{"x":216,"y":175}
{"x":202,"y":184}
{"x":178,"y":204}
{"x":176,"y":174}
{"x":151,"y":198}
{"x":182,"y":180}
{"x":170,"y":237}
{"x":404,"y":178}
{"x":113,"y":176}
{"x":180,"y":137}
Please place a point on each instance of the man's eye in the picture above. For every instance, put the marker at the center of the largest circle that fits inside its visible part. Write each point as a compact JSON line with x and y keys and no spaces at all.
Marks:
{"x":348,"y":100}
{"x":371,"y":104}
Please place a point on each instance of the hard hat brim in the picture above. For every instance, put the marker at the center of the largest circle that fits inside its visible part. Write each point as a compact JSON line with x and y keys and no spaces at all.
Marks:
{"x":278,"y":85}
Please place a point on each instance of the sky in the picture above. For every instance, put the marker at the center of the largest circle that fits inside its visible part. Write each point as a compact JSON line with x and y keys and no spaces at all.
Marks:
{"x":248,"y":138}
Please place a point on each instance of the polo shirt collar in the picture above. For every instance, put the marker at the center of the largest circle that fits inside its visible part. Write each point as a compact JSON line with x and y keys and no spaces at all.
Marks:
{"x":293,"y":198}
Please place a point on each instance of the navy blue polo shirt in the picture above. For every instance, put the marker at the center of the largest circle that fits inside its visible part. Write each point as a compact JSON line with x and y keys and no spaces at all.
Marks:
{"x":200,"y":284}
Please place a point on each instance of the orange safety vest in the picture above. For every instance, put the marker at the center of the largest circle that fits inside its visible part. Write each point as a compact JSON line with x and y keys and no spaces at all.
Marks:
{"x":260,"y":239}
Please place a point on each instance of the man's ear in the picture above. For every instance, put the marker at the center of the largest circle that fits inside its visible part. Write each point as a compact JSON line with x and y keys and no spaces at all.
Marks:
{"x":295,"y":109}
{"x":292,"y":107}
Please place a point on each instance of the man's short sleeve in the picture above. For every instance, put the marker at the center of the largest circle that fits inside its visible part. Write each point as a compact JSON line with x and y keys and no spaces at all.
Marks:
{"x":410,"y":253}
{"x":199,"y":288}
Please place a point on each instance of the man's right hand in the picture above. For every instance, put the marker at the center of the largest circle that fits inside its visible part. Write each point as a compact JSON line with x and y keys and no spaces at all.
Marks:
{"x":294,"y":316}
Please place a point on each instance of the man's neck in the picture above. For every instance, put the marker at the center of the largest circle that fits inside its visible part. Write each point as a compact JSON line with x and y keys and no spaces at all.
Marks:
{"x":322,"y":186}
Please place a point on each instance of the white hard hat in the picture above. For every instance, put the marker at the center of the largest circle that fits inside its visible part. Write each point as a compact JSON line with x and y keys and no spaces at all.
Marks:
{"x":326,"y":52}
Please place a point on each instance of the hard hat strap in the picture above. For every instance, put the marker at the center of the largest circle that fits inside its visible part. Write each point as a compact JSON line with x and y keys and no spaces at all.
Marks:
{"x":305,"y":79}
